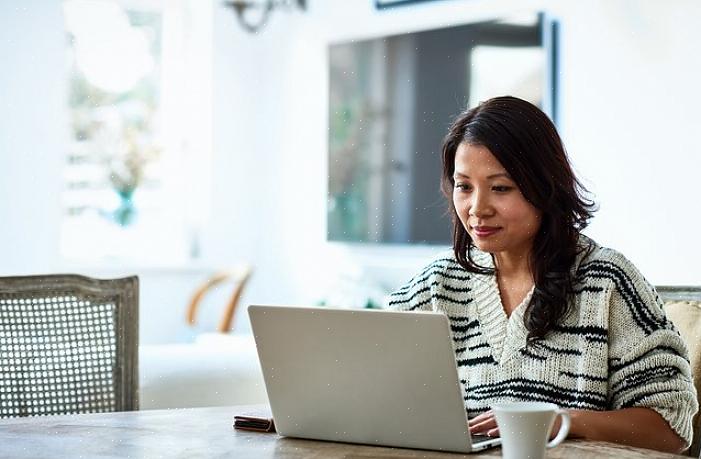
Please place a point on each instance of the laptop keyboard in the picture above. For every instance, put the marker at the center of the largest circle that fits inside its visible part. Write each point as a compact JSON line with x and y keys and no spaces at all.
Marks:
{"x":480,"y":438}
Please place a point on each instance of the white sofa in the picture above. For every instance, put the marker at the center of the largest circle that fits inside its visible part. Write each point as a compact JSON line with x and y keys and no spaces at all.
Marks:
{"x":214,"y":370}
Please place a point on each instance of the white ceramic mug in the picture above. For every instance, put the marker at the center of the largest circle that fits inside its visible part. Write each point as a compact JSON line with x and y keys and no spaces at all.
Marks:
{"x":524,"y":428}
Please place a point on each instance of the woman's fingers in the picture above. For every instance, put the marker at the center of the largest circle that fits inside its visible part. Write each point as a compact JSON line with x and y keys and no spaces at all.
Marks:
{"x":483,"y":424}
{"x":483,"y":427}
{"x":481,"y":417}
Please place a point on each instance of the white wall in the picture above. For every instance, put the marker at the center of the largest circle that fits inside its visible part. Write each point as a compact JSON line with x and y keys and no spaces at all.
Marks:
{"x":32,"y":133}
{"x":630,"y":107}
{"x":630,"y":71}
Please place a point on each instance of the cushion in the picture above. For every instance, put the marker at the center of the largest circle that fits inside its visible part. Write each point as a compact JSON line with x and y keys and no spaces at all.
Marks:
{"x":686,"y":316}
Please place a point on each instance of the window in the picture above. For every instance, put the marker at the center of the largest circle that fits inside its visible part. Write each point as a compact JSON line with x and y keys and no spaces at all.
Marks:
{"x":138,"y":156}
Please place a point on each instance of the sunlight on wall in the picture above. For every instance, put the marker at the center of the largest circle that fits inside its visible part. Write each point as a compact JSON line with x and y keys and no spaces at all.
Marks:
{"x":138,"y":157}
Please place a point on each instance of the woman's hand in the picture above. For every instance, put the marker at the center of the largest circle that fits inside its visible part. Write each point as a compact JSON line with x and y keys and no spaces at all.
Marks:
{"x":484,"y":424}
{"x":635,"y":426}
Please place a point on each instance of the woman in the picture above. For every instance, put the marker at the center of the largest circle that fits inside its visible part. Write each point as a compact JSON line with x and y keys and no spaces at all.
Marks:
{"x":537,"y":310}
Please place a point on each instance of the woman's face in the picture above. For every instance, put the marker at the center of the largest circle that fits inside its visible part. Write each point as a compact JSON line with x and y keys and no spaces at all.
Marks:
{"x":490,"y":205}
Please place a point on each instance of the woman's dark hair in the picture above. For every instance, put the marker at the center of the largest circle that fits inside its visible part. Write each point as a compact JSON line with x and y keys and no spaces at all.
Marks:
{"x":526,"y":143}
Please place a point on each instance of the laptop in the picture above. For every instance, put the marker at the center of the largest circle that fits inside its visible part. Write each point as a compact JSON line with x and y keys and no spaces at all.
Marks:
{"x":363,"y":376}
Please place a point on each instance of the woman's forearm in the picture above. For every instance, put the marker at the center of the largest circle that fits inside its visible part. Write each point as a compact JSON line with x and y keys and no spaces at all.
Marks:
{"x":641,"y":427}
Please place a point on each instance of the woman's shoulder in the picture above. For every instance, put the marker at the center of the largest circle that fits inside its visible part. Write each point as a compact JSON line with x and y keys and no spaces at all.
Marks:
{"x":419,"y":292}
{"x":441,"y":263}
{"x":590,"y":252}
{"x":603,"y":262}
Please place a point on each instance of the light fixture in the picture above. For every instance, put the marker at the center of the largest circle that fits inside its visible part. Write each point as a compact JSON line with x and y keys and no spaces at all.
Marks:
{"x":253,"y":15}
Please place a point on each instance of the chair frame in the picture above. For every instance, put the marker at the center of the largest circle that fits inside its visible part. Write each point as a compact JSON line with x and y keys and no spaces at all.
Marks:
{"x":126,"y":290}
{"x":679,"y":293}
{"x":239,"y":275}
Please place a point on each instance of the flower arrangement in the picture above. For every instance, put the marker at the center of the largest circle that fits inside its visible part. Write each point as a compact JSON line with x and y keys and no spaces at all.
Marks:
{"x":127,"y":172}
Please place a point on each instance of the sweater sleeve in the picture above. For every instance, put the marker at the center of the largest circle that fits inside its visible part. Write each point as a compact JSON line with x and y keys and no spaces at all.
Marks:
{"x":648,"y":361}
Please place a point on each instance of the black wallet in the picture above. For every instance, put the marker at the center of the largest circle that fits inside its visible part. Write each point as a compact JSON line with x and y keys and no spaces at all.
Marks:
{"x":254,"y":423}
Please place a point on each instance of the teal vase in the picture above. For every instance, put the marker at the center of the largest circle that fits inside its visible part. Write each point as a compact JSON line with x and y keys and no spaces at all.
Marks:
{"x":125,"y":214}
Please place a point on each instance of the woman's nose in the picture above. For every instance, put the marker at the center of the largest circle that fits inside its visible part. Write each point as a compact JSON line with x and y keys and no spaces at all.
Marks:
{"x":479,"y":205}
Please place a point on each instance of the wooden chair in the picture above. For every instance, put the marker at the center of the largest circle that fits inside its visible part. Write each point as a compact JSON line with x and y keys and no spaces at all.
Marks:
{"x":683,"y":308}
{"x":68,"y":344}
{"x":239,"y":276}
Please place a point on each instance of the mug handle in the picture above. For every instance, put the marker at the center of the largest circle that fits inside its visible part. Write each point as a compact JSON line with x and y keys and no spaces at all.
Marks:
{"x":564,"y":429}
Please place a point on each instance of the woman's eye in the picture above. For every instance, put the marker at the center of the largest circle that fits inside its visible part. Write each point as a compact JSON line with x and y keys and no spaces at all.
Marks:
{"x":502,"y":188}
{"x":462,"y":186}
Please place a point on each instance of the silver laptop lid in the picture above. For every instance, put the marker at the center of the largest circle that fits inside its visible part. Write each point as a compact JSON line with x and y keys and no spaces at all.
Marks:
{"x":362,"y":376}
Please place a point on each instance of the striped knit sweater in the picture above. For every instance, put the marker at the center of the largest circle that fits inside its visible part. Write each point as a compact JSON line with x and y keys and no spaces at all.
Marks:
{"x":614,"y":349}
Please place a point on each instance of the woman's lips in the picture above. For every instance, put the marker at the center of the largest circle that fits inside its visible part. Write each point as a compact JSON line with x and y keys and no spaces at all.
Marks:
{"x":485,"y":231}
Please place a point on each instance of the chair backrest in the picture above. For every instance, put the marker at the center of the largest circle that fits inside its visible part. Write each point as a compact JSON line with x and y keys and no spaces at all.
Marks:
{"x":239,"y":276}
{"x":68,"y":344}
{"x":683,"y":308}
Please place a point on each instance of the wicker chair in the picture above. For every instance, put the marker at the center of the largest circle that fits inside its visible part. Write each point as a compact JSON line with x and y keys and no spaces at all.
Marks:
{"x":68,"y":344}
{"x":683,"y":307}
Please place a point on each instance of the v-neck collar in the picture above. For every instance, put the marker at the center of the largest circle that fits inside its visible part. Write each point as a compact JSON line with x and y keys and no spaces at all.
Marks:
{"x":504,"y":334}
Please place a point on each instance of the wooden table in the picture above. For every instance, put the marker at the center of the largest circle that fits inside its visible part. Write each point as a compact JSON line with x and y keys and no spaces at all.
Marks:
{"x":208,"y":432}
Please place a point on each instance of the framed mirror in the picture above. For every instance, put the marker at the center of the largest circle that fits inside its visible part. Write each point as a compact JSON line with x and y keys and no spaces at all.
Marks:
{"x":391,"y":101}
